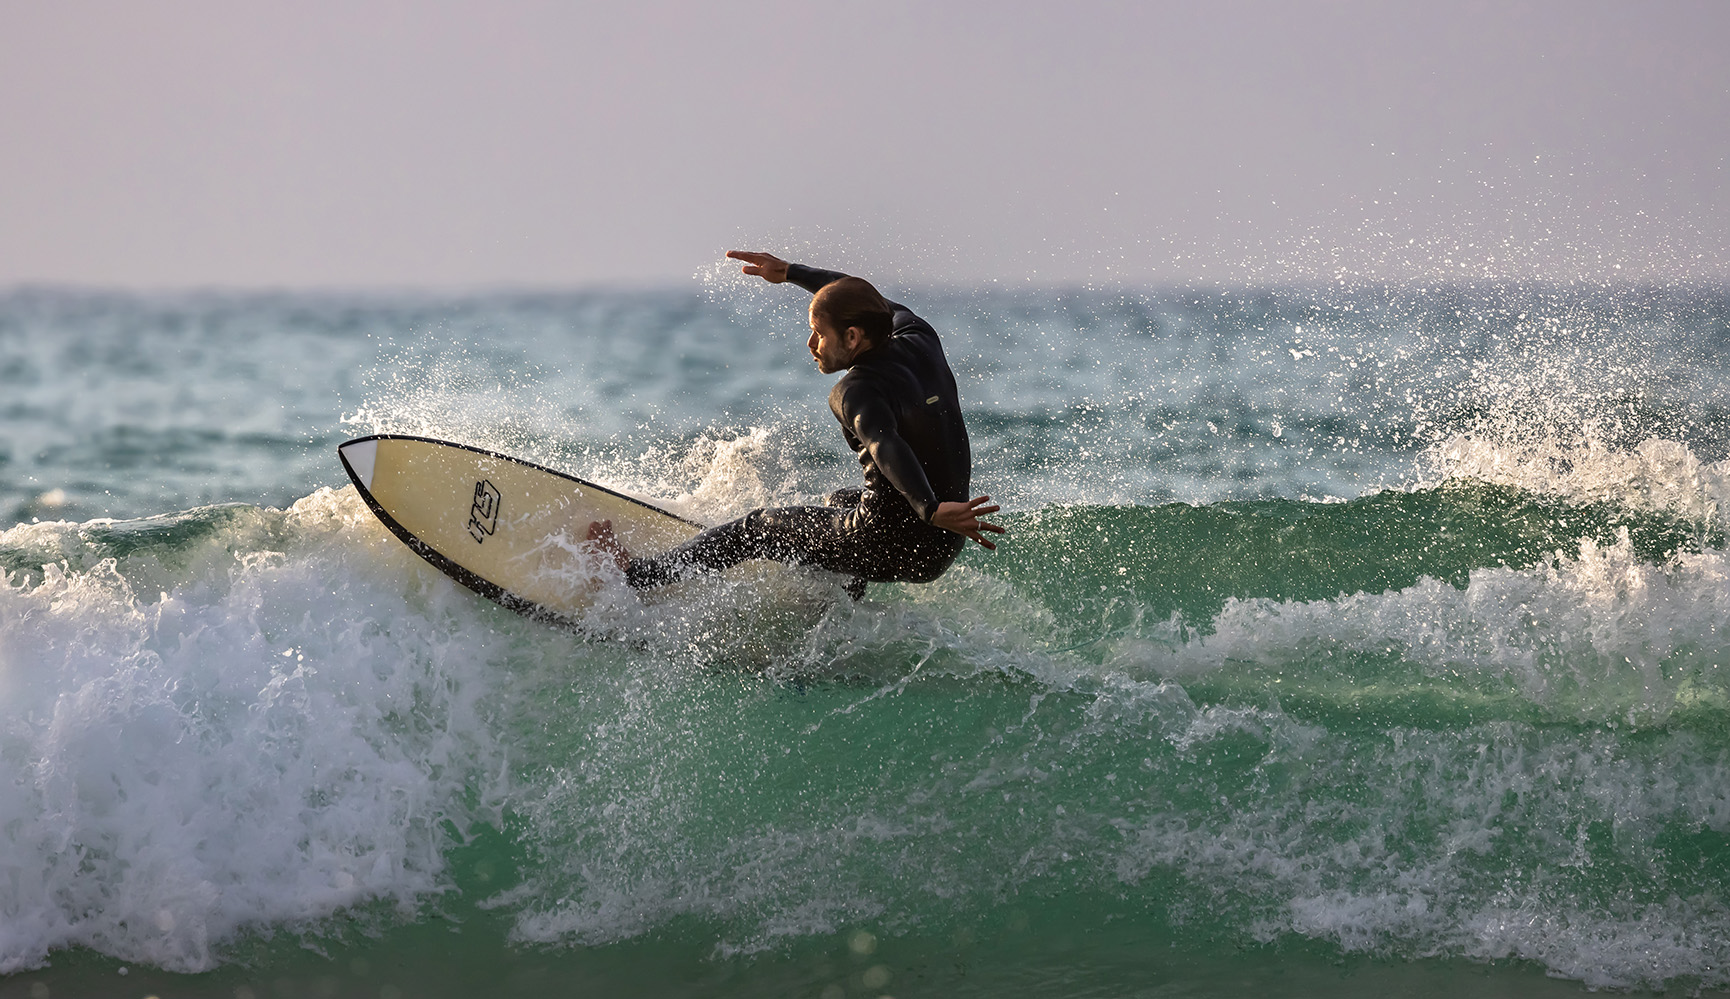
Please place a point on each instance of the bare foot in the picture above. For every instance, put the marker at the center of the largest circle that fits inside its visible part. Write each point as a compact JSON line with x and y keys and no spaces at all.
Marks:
{"x":607,"y":543}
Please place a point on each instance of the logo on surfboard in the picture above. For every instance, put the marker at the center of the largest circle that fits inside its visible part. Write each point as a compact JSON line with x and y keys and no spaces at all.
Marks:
{"x":484,"y":514}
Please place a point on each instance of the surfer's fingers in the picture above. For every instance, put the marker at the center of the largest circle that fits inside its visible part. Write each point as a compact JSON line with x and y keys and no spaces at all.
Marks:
{"x":988,"y":546}
{"x":983,"y":526}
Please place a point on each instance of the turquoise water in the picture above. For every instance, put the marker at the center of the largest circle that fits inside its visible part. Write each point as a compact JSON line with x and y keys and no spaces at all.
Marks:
{"x":1344,"y":641}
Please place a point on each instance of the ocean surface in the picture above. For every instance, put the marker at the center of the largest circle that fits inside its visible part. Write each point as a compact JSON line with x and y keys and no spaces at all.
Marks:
{"x":1346,"y":639}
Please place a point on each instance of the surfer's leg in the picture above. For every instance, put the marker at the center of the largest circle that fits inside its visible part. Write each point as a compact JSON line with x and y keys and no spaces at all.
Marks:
{"x":882,"y":546}
{"x":848,"y":540}
{"x":793,"y":534}
{"x":849,"y":499}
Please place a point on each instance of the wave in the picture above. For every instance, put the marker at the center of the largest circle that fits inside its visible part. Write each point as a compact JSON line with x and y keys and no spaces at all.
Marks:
{"x":1471,"y":719}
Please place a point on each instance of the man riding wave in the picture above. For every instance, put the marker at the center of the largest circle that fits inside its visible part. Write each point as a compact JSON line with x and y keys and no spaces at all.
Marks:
{"x":899,"y":412}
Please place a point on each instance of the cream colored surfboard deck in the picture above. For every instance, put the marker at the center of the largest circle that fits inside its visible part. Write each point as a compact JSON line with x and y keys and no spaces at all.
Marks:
{"x":506,"y":528}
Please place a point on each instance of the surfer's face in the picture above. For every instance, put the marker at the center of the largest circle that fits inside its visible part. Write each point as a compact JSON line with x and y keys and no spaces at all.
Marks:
{"x":834,"y":349}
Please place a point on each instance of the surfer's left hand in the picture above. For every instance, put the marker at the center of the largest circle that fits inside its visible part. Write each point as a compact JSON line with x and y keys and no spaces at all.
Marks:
{"x":963,"y":518}
{"x":764,"y":265}
{"x":607,"y":543}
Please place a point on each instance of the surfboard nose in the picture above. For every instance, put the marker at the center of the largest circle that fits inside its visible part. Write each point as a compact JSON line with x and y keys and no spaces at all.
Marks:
{"x":359,"y":457}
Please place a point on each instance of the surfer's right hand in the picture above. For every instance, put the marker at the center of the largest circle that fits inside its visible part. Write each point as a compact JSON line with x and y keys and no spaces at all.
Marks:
{"x":764,"y":265}
{"x":963,"y":519}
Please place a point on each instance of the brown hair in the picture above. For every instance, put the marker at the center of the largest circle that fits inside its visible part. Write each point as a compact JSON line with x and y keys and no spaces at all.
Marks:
{"x":851,"y":301}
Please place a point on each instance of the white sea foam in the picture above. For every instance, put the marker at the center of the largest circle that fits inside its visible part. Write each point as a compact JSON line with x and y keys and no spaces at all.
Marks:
{"x":260,"y":743}
{"x":1582,"y":406}
{"x":1597,"y":635}
{"x":1656,"y":474}
{"x":716,"y":477}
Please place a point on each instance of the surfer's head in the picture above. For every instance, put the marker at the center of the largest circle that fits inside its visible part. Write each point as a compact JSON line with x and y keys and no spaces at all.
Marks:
{"x":848,"y":318}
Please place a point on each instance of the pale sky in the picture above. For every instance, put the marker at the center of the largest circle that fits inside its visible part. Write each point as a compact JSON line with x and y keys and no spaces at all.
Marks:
{"x":457,"y":144}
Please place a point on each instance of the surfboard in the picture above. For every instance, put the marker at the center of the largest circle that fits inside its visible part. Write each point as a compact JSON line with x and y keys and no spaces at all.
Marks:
{"x":509,"y":529}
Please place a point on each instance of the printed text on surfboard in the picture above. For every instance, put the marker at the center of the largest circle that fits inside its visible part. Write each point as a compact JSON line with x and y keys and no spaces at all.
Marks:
{"x":484,"y":514}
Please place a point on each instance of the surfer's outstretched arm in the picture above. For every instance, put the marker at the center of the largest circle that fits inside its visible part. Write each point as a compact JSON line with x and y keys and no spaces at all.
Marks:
{"x":764,"y":265}
{"x":775,"y":270}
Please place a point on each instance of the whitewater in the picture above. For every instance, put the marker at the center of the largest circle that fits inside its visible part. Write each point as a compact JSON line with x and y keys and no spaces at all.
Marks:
{"x":1345,"y":638}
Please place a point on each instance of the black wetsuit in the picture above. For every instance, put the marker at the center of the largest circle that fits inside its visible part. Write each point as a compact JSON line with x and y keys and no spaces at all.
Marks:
{"x":900,"y":414}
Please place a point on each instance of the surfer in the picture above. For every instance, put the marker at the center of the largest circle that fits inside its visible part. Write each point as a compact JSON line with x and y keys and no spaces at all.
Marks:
{"x":899,"y":412}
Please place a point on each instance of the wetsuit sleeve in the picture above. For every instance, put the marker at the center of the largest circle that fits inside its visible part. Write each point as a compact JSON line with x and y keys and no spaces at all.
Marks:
{"x":811,"y":278}
{"x":872,"y":421}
